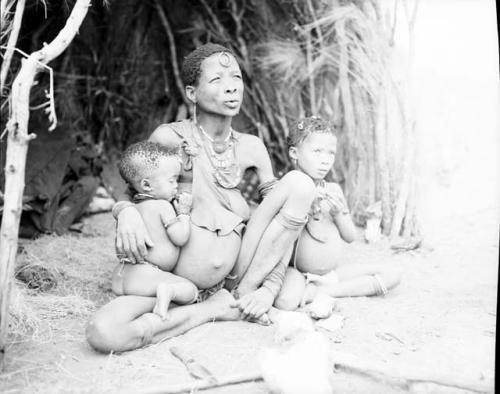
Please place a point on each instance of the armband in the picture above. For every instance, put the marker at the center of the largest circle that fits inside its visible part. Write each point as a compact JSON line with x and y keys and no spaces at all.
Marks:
{"x":265,"y":187}
{"x":120,"y":206}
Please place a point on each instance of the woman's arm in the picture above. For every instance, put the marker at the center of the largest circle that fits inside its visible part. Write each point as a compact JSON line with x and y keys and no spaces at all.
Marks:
{"x":132,"y":238}
{"x":262,"y":160}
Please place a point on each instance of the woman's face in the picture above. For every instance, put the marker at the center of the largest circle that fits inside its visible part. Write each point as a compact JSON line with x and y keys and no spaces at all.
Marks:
{"x":220,"y":86}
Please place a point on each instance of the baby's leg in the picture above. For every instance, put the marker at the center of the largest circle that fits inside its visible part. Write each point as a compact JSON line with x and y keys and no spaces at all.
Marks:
{"x":181,"y":292}
{"x":141,"y":279}
{"x":292,"y":291}
{"x":357,"y":280}
{"x":150,"y":281}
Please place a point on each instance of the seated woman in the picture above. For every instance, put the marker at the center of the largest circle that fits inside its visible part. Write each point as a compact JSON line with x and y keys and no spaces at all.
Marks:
{"x":318,"y":274}
{"x":214,"y":158}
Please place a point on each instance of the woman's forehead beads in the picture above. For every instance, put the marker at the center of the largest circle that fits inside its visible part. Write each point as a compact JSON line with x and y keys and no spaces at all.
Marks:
{"x":224,"y":59}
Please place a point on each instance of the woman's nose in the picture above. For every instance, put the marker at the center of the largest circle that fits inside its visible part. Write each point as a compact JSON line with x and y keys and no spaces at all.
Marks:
{"x":230,"y":88}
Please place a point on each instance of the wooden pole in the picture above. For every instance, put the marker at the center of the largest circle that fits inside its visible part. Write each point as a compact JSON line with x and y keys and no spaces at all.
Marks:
{"x":17,"y":149}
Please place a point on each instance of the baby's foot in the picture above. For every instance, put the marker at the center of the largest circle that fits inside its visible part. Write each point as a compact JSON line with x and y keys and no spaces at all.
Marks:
{"x":321,"y":307}
{"x":164,"y":294}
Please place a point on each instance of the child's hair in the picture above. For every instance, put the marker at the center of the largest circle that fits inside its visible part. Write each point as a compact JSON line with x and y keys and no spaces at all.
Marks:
{"x":139,"y":159}
{"x":191,"y":66}
{"x":304,"y":127}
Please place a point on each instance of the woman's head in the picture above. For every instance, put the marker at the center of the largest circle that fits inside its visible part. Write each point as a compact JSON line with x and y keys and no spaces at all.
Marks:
{"x":312,"y":146}
{"x":213,"y":80}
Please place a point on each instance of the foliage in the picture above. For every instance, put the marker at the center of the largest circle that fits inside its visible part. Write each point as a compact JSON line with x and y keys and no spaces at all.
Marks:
{"x":118,"y":80}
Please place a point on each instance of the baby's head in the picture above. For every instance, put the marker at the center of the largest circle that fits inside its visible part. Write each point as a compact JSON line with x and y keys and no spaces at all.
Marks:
{"x":312,"y":146}
{"x":151,"y":168}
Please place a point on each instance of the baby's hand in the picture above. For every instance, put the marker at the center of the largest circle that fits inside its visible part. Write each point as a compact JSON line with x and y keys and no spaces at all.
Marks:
{"x":183,"y":203}
{"x":254,"y":305}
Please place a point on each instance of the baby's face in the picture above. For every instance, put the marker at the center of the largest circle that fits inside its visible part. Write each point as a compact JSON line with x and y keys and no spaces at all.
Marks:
{"x":163,"y":179}
{"x":316,"y":154}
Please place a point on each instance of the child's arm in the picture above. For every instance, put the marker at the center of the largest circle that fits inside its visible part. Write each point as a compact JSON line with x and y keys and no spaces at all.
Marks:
{"x":178,"y":226}
{"x":340,"y":213}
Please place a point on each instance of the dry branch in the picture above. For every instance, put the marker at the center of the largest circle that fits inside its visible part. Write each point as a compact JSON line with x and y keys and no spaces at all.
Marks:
{"x":11,"y":43}
{"x":17,"y":148}
{"x":402,"y":376}
{"x":173,"y":52}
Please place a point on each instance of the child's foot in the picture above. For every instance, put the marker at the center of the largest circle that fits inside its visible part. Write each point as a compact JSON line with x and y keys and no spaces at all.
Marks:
{"x":321,"y":307}
{"x":164,"y":294}
{"x":329,"y":279}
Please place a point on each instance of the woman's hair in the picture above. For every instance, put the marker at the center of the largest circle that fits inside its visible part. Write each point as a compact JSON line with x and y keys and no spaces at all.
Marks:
{"x":304,"y":127}
{"x":139,"y":159}
{"x":191,"y":66}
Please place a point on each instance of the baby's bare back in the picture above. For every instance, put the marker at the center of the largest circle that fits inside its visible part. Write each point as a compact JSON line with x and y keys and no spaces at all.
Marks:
{"x":164,"y":254}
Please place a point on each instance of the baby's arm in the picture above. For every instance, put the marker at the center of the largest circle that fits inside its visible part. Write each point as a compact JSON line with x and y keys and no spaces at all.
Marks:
{"x":340,"y":212}
{"x":178,"y":226}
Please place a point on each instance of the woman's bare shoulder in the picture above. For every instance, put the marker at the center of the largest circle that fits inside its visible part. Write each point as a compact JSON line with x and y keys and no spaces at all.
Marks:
{"x":165,"y":135}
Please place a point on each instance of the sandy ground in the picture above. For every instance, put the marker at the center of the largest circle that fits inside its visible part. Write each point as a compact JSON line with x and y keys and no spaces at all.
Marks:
{"x":442,"y":317}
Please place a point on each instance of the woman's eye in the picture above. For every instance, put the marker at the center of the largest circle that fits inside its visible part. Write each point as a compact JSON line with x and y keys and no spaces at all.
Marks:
{"x":215,"y":79}
{"x":237,"y":76}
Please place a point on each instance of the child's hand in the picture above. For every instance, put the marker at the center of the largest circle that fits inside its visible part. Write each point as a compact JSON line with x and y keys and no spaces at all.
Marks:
{"x":183,"y":203}
{"x":254,"y":305}
{"x":336,"y":200}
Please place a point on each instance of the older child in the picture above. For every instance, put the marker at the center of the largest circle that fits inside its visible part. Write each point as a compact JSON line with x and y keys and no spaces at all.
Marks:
{"x":151,"y":171}
{"x":317,"y":274}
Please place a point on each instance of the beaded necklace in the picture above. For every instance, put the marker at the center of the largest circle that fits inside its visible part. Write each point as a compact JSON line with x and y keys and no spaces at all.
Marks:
{"x":222,"y":157}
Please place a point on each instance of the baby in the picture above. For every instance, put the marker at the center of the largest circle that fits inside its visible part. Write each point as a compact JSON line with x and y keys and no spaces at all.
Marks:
{"x":151,"y":171}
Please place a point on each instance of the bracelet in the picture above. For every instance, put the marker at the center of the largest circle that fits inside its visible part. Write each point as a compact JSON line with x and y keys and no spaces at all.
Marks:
{"x":120,"y":206}
{"x":175,"y":220}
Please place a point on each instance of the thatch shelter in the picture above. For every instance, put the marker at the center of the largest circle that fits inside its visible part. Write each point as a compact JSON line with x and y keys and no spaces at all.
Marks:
{"x":119,"y":79}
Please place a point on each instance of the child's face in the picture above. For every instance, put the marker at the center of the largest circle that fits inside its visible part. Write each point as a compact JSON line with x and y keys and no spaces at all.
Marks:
{"x":162,"y":182}
{"x":315,"y":155}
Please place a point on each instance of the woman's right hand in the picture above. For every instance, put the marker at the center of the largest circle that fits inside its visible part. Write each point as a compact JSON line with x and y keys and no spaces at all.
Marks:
{"x":132,"y":237}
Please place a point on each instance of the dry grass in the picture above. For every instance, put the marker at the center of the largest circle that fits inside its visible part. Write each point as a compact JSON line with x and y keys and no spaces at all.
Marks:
{"x":80,"y":266}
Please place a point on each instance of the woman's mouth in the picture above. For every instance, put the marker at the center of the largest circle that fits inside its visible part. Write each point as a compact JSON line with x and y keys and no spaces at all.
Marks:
{"x":232,"y":104}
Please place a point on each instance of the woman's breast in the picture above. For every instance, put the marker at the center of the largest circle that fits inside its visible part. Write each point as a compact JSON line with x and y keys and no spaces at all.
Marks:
{"x":319,"y":248}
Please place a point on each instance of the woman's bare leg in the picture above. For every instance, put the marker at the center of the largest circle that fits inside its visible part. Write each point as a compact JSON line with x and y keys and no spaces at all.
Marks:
{"x":126,"y":323}
{"x":294,"y":195}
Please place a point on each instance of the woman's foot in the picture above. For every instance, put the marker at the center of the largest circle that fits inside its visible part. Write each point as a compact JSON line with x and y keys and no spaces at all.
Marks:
{"x":224,"y":306}
{"x":321,"y":307}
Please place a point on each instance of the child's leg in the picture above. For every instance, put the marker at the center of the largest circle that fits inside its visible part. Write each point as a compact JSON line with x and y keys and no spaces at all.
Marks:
{"x":292,"y":291}
{"x":357,"y":280}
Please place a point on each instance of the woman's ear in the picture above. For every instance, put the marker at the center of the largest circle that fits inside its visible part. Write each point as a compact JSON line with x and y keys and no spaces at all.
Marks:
{"x":146,"y":185}
{"x":191,"y":93}
{"x":292,"y":152}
